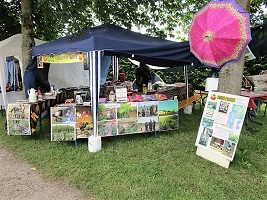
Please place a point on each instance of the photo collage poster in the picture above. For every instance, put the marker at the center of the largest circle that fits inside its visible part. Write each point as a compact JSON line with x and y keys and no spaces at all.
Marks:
{"x":148,"y":119}
{"x":18,"y":119}
{"x":127,"y":118}
{"x":221,"y":123}
{"x":63,"y":120}
{"x":84,"y":122}
{"x":137,"y":117}
{"x":107,"y":119}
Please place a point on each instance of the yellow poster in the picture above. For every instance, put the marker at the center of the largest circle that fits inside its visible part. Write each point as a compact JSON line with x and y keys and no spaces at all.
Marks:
{"x":64,"y":57}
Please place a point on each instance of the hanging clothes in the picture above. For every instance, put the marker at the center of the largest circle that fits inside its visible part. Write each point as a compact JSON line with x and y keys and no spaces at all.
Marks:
{"x":10,"y":72}
{"x":18,"y":79}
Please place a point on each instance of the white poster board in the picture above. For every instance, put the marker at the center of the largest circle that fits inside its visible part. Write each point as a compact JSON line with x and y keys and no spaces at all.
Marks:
{"x":121,"y":94}
{"x":220,"y":127}
{"x":211,"y":84}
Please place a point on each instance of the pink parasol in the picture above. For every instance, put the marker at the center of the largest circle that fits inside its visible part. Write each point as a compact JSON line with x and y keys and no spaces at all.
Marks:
{"x":219,"y":33}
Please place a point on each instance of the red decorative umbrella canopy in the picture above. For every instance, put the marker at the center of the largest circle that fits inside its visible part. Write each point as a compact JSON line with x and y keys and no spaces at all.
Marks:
{"x":219,"y":33}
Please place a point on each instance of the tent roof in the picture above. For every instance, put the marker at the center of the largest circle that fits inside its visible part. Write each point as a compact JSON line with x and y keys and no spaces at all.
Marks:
{"x":12,"y":45}
{"x":115,"y":40}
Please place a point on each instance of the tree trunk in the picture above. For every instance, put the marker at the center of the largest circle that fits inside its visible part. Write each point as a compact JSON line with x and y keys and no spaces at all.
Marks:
{"x":27,"y":32}
{"x":230,"y":76}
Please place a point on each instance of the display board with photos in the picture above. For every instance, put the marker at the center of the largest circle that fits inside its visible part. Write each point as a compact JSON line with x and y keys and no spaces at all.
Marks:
{"x":75,"y":122}
{"x":221,"y":124}
{"x":69,"y":123}
{"x":137,"y":117}
{"x":18,"y":119}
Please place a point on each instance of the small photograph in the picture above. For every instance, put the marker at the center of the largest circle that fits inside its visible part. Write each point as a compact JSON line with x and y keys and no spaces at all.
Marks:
{"x":63,"y":132}
{"x":127,"y":110}
{"x":18,"y":111}
{"x":83,"y":114}
{"x":147,"y":109}
{"x":127,"y":126}
{"x":217,"y":143}
{"x":168,"y":122}
{"x":207,"y":122}
{"x":107,"y":128}
{"x":63,"y":115}
{"x":19,"y":127}
{"x":169,"y":107}
{"x":69,"y":115}
{"x":228,"y":148}
{"x":211,"y":107}
{"x":223,"y":107}
{"x":148,"y":124}
{"x":84,"y":129}
{"x":233,"y":137}
{"x":57,"y":115}
{"x":107,"y":112}
{"x":205,"y":136}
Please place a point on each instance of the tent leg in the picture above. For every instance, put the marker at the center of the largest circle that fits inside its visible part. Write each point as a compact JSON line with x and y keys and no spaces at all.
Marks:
{"x":180,"y":114}
{"x":155,"y":134}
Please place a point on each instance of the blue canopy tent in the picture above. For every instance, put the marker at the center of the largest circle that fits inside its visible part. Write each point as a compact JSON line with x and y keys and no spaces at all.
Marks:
{"x":111,"y":40}
{"x":114,"y":40}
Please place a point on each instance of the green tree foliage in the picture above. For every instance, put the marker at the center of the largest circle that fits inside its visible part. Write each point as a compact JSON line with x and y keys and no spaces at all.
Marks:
{"x":9,"y":19}
{"x":162,"y":18}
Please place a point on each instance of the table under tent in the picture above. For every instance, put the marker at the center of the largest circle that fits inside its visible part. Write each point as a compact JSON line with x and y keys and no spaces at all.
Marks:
{"x":105,"y":44}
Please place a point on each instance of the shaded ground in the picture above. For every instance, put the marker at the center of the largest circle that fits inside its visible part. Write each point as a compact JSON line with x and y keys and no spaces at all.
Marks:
{"x":18,"y":181}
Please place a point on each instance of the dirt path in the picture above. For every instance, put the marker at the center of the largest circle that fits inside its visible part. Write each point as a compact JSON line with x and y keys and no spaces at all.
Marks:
{"x":19,"y":182}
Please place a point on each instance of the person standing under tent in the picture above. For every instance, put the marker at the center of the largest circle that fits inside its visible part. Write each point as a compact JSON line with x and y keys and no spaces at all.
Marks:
{"x":143,"y":76}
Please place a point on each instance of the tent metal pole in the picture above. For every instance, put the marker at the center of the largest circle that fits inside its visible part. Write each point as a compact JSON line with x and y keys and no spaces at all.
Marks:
{"x":14,"y":74}
{"x":93,"y":90}
{"x":115,"y":67}
{"x":99,"y":64}
{"x":186,"y":80}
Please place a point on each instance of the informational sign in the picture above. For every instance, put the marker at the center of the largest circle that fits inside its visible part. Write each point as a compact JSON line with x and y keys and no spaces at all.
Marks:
{"x":121,"y":94}
{"x":221,"y":124}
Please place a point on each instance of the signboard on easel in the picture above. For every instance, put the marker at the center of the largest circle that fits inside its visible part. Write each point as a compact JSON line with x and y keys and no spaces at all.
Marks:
{"x":220,"y":127}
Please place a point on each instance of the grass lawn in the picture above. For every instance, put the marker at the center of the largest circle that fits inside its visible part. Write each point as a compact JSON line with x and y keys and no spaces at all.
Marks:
{"x":140,"y":166}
